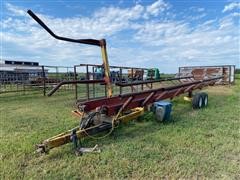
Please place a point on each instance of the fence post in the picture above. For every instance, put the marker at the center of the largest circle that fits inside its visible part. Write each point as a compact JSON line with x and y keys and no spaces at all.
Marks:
{"x":132,"y":78}
{"x":120,"y":80}
{"x":94,"y":77}
{"x":44,"y":81}
{"x":87,"y":84}
{"x":75,"y":78}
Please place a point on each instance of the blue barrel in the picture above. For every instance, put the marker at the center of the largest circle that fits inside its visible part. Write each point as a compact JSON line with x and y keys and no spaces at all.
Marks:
{"x":162,"y":110}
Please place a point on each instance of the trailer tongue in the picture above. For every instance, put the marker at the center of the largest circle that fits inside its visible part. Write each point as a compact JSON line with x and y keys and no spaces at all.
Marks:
{"x":104,"y":114}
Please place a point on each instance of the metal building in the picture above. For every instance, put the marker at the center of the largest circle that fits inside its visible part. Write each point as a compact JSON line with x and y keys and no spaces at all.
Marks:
{"x":19,"y":71}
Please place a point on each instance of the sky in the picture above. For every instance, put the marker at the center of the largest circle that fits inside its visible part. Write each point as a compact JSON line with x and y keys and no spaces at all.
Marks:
{"x":165,"y":34}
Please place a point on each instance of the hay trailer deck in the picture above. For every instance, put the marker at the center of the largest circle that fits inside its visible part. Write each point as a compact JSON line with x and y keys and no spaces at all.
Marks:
{"x":104,"y":114}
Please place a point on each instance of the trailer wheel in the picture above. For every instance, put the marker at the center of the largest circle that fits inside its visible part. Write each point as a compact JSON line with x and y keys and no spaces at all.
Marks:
{"x":205,"y":99}
{"x":197,"y":101}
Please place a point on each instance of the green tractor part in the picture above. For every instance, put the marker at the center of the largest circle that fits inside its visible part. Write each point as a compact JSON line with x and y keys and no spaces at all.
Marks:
{"x":153,"y":74}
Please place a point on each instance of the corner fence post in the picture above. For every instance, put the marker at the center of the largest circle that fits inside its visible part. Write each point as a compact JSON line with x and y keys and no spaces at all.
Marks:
{"x":44,"y":81}
{"x":75,"y":78}
{"x":87,"y":79}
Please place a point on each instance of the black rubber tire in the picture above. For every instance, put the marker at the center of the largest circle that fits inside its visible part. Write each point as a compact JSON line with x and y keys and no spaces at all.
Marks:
{"x":197,"y":101}
{"x":205,"y":99}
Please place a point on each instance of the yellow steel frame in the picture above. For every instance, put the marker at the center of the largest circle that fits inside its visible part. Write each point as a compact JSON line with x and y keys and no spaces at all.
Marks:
{"x":64,"y":138}
{"x":106,"y":67}
{"x":189,"y":99}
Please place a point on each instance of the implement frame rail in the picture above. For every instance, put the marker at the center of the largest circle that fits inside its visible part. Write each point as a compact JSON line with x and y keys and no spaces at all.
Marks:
{"x":113,"y":104}
{"x":74,"y":82}
{"x":102,"y":81}
{"x":187,"y":78}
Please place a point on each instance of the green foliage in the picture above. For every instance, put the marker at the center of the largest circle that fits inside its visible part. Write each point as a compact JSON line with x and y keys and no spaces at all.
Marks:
{"x":237,"y":76}
{"x":195,"y":144}
{"x":237,"y":71}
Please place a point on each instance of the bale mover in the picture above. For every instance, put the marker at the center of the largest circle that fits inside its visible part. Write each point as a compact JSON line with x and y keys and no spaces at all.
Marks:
{"x":104,"y":114}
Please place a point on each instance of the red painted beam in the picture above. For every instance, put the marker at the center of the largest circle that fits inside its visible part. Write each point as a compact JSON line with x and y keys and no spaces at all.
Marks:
{"x":74,"y":82}
{"x":113,"y":104}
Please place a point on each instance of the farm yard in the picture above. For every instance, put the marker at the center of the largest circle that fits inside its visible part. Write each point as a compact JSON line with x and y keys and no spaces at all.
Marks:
{"x":146,"y":89}
{"x":195,"y":144}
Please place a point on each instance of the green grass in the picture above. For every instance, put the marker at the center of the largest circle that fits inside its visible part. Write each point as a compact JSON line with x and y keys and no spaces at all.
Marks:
{"x":237,"y":76}
{"x":196,"y":144}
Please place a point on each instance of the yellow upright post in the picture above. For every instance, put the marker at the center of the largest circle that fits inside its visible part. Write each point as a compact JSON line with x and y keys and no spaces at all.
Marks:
{"x":106,"y":67}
